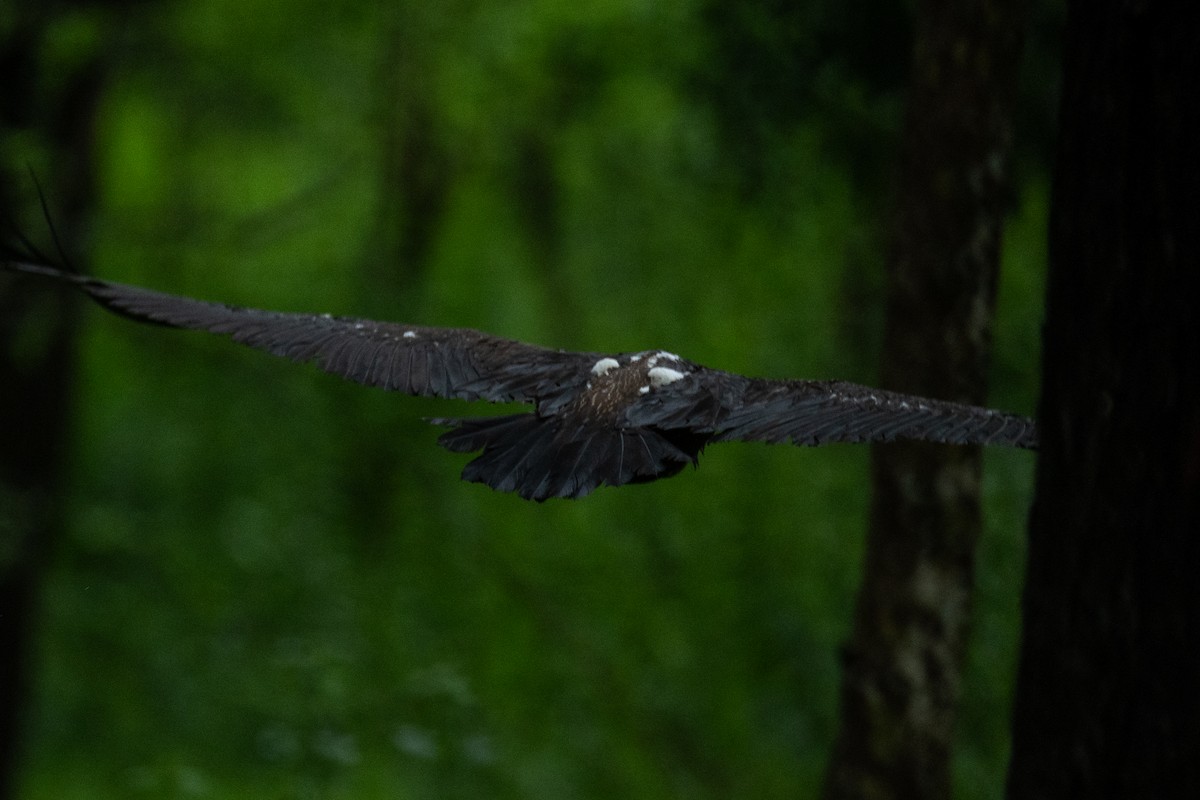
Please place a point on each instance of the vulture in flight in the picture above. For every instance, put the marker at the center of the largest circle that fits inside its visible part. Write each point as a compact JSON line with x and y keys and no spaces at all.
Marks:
{"x":597,"y":418}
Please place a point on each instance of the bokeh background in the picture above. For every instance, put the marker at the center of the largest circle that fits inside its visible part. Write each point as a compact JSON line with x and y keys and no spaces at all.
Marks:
{"x":271,"y":583}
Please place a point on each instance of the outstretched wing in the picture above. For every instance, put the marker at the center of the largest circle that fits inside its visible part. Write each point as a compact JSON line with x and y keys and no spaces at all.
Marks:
{"x":731,"y":407}
{"x":433,"y":362}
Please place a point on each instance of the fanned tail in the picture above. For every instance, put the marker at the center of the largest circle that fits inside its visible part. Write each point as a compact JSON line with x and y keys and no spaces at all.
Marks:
{"x":544,"y":457}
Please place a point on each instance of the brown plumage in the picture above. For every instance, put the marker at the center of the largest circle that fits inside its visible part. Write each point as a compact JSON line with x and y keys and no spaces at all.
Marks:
{"x":597,"y":419}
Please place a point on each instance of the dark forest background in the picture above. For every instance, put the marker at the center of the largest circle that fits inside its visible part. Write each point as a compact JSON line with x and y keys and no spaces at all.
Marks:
{"x":248,"y":578}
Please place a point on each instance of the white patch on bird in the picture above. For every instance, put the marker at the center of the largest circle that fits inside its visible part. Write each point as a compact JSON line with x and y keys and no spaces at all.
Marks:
{"x":604,"y":365}
{"x":410,"y":334}
{"x":662,"y":355}
{"x":643,"y":390}
{"x":635,"y":358}
{"x":661,"y":376}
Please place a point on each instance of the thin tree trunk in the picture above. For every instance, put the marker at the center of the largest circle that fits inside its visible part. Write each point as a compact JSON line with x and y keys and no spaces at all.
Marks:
{"x":33,"y":403}
{"x":902,"y":668}
{"x":36,"y":373}
{"x":1107,"y":703}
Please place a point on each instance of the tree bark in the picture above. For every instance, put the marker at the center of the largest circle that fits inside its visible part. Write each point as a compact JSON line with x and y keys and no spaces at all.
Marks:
{"x":36,"y":373}
{"x":902,"y":667}
{"x":1107,"y":703}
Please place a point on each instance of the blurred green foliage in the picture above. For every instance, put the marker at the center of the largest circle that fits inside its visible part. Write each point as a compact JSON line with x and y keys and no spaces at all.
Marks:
{"x":274,"y":585}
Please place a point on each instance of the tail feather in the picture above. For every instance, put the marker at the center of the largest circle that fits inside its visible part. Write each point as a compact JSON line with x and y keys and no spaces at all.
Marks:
{"x":544,"y":457}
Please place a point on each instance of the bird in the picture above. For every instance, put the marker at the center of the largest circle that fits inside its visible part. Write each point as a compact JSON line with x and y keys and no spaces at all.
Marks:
{"x":596,"y":419}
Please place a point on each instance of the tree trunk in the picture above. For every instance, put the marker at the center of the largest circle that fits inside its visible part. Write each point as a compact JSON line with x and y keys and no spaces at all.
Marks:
{"x":902,"y":667}
{"x":1107,"y":702}
{"x":36,"y":372}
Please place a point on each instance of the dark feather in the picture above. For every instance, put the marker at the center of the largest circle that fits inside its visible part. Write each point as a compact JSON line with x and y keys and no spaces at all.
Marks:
{"x":432,"y":362}
{"x":823,"y":412}
{"x":542,"y":457}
